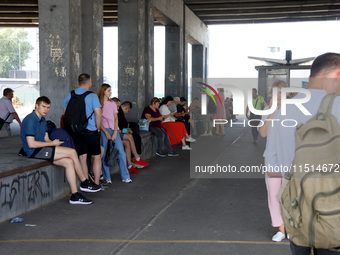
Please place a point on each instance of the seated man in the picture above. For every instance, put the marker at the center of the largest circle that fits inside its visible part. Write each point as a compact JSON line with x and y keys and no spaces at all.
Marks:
{"x":129,"y":138}
{"x":37,"y":144}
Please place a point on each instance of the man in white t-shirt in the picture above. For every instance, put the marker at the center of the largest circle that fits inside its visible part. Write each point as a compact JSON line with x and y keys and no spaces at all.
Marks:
{"x":324,"y":78}
{"x":7,"y":112}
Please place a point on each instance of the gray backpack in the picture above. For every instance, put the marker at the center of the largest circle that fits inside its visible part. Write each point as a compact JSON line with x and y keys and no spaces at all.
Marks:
{"x":310,"y":192}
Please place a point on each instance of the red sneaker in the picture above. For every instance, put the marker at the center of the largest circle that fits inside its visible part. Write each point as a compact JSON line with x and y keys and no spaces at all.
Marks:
{"x":133,"y":170}
{"x":140,"y":163}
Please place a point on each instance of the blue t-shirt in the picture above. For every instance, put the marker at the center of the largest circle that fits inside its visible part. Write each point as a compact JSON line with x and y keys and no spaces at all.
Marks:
{"x":91,"y":102}
{"x":32,"y":126}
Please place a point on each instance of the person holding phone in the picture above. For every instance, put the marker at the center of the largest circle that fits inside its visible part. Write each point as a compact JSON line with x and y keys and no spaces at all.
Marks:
{"x":126,"y":135}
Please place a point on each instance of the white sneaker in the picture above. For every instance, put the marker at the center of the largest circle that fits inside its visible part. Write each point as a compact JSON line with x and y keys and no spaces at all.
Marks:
{"x":278,"y":237}
{"x":186,"y":148}
{"x":190,"y":140}
{"x":127,"y":180}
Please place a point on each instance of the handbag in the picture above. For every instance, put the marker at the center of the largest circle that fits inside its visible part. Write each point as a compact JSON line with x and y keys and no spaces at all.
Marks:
{"x":3,"y":121}
{"x":111,"y":156}
{"x":144,"y":124}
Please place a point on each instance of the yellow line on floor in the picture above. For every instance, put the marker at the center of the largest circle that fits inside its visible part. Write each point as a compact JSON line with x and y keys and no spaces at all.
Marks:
{"x":140,"y":241}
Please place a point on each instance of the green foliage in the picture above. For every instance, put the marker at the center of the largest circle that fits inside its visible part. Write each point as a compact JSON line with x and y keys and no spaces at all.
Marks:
{"x":10,"y":40}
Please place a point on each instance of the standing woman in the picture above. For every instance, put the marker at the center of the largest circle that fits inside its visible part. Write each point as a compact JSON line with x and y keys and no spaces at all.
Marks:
{"x":109,"y":131}
{"x":220,"y":114}
{"x":151,"y":113}
{"x":273,"y":184}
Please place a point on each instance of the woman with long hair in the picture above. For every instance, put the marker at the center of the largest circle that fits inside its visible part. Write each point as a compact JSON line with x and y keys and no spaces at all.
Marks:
{"x":152,"y":114}
{"x":109,"y":131}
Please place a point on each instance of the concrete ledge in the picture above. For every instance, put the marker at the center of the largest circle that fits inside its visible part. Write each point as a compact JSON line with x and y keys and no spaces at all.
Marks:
{"x":28,"y":189}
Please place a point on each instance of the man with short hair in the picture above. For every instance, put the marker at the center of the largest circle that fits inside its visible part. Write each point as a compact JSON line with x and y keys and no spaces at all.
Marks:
{"x":258,"y":104}
{"x":88,"y":142}
{"x":7,"y":112}
{"x":324,"y":78}
{"x":37,"y":145}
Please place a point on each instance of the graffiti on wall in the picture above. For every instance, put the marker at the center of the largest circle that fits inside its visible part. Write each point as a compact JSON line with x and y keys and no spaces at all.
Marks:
{"x":30,"y":186}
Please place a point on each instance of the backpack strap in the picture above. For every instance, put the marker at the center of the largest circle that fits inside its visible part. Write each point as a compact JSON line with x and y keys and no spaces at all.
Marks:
{"x":326,"y":106}
{"x":9,"y":114}
{"x":83,"y":97}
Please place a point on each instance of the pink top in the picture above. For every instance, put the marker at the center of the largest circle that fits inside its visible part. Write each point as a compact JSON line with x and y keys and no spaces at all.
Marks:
{"x":109,"y":109}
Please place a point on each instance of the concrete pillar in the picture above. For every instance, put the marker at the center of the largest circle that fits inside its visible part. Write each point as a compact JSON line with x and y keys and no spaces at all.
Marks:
{"x":197,"y":61}
{"x":135,"y":54}
{"x":92,"y":41}
{"x":60,"y":51}
{"x":174,"y":61}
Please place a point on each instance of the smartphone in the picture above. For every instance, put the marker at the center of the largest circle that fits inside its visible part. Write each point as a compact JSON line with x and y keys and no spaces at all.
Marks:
{"x":124,"y":130}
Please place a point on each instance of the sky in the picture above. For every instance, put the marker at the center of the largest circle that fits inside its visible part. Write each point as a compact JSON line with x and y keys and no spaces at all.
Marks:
{"x":230,"y":45}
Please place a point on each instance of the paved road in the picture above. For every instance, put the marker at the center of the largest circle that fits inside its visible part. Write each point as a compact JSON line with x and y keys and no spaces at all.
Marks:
{"x":163,"y":211}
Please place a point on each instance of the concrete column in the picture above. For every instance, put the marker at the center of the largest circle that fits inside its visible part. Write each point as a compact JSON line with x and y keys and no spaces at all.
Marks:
{"x":60,"y":51}
{"x":92,"y":41}
{"x":173,"y":61}
{"x":197,"y":61}
{"x":135,"y":54}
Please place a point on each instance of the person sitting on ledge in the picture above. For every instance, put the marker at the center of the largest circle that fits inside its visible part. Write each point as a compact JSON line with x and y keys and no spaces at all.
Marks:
{"x":37,"y":145}
{"x":151,"y":113}
{"x":128,"y":137}
{"x":176,"y":130}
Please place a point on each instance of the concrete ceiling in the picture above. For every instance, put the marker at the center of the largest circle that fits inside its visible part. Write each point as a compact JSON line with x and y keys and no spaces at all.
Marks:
{"x":25,"y":13}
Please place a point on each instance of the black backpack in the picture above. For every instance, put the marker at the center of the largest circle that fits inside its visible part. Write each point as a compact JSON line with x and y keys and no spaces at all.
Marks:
{"x":75,"y":115}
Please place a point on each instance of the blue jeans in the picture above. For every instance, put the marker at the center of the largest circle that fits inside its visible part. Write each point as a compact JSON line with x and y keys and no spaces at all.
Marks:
{"x":162,"y":138}
{"x":124,"y":173}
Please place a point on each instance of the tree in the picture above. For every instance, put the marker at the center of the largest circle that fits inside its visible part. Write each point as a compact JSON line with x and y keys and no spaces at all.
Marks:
{"x":13,"y":45}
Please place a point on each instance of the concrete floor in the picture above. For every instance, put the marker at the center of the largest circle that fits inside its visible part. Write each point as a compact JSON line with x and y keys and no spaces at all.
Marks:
{"x":163,"y":211}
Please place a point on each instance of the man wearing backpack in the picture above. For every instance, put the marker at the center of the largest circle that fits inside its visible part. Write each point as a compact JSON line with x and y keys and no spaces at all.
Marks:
{"x":324,"y":79}
{"x":85,"y":133}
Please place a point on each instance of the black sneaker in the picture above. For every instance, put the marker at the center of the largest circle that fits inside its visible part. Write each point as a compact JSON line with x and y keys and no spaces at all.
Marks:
{"x":160,"y":154}
{"x":89,"y":186}
{"x":79,"y":199}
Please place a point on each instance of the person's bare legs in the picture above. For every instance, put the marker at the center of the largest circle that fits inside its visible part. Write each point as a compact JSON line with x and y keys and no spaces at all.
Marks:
{"x":127,"y":150}
{"x":68,"y":153}
{"x":97,"y":168}
{"x":183,"y":142}
{"x":68,"y":164}
{"x":83,"y":163}
{"x":282,"y":228}
{"x":133,"y":149}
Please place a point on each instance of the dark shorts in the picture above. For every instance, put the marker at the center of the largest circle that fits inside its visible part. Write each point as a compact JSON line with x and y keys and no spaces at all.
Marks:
{"x":45,"y":153}
{"x":87,"y":142}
